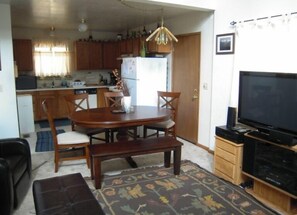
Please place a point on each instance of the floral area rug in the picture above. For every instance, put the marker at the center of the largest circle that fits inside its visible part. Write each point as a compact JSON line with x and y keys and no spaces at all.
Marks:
{"x":157,"y":191}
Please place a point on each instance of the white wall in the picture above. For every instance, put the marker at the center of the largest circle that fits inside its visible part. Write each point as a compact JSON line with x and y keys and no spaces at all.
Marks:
{"x":8,"y":109}
{"x":226,"y":67}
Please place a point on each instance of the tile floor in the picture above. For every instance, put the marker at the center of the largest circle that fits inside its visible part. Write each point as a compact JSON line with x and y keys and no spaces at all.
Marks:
{"x":43,"y":165}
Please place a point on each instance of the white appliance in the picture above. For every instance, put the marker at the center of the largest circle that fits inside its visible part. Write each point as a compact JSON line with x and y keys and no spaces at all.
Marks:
{"x":25,"y":112}
{"x":92,"y":97}
{"x":144,"y":77}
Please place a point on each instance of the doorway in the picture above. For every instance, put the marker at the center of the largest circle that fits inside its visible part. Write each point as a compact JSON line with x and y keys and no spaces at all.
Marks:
{"x":186,"y":79}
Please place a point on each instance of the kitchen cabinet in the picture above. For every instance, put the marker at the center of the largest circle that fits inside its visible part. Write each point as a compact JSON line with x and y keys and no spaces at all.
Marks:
{"x":153,"y":47}
{"x":228,"y":160}
{"x":23,"y":54}
{"x":55,"y":100}
{"x":100,"y":96}
{"x":136,"y":45}
{"x":126,"y":46}
{"x":88,"y":55}
{"x":110,"y":54}
{"x":62,"y":111}
{"x":50,"y":97}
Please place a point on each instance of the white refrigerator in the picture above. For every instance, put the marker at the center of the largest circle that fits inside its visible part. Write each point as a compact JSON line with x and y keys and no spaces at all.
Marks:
{"x":144,"y":77}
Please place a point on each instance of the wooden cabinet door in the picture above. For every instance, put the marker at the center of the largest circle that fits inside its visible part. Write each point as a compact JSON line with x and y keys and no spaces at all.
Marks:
{"x":136,"y":45}
{"x":23,"y":54}
{"x":153,"y":47}
{"x":95,"y":55}
{"x":122,"y":47}
{"x":110,"y":55}
{"x":129,"y":46}
{"x":62,"y":110}
{"x":51,"y":99}
{"x":100,"y":96}
{"x":82,"y":55}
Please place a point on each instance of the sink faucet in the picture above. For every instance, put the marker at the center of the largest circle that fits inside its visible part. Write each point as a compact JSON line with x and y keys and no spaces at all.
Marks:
{"x":53,"y":84}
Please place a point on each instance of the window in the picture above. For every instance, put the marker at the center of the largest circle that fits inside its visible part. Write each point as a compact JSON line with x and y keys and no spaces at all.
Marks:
{"x":51,"y":59}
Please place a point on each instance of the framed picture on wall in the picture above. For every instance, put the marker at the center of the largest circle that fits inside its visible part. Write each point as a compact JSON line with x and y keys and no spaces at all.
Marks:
{"x":225,"y":43}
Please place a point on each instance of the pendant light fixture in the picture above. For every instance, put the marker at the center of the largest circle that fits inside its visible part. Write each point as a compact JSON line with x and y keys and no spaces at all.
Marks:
{"x":162,"y":35}
{"x":82,"y":27}
{"x":52,"y":31}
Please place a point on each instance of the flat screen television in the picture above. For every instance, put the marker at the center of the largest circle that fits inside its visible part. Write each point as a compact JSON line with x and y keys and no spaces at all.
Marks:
{"x":268,"y":102}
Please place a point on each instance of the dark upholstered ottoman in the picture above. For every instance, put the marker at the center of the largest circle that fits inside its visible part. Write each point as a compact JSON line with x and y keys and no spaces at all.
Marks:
{"x":67,"y":194}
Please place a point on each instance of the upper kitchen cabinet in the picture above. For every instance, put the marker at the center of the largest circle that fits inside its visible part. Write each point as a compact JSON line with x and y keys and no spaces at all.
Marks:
{"x":23,"y":54}
{"x":153,"y":47}
{"x":110,"y":54}
{"x":88,"y":55}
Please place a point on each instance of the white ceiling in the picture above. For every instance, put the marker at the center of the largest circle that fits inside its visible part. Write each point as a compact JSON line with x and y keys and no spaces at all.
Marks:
{"x":100,"y":15}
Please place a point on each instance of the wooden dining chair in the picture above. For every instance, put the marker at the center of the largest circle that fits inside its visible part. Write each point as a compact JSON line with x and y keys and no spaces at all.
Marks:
{"x":64,"y":142}
{"x":81,"y":102}
{"x":167,"y":100}
{"x":113,"y":100}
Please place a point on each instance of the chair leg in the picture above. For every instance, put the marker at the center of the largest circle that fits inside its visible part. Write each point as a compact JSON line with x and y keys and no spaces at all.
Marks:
{"x":56,"y":161}
{"x":144,"y":132}
{"x":135,"y":133}
{"x":112,"y":136}
{"x":107,"y":136}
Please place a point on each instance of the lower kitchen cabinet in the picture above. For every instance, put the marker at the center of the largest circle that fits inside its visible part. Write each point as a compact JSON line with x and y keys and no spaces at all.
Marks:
{"x":228,"y":160}
{"x":100,"y":96}
{"x":62,"y":111}
{"x":50,"y":97}
{"x":56,"y":102}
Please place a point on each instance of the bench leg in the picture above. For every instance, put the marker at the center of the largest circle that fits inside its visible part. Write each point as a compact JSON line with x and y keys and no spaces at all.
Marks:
{"x":167,"y":156}
{"x":177,"y":158}
{"x":92,"y":165}
{"x":97,"y":172}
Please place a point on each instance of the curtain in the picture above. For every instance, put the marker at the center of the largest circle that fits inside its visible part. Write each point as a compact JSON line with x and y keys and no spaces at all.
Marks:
{"x":51,"y":58}
{"x":267,"y":45}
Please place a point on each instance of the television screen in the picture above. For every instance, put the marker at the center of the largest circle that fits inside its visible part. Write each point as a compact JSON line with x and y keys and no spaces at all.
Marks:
{"x":268,"y":101}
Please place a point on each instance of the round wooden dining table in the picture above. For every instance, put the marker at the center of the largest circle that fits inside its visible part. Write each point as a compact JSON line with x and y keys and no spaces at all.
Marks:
{"x":109,"y":118}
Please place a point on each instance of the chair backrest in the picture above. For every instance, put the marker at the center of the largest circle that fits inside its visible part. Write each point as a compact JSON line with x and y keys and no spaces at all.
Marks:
{"x":77,"y":102}
{"x":48,"y":113}
{"x":113,"y":99}
{"x":169,"y":100}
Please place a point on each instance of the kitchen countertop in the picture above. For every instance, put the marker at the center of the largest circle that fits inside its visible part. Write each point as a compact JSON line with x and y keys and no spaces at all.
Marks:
{"x":66,"y":88}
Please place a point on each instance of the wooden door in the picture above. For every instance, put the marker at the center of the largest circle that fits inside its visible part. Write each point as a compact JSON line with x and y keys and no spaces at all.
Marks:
{"x":185,"y":78}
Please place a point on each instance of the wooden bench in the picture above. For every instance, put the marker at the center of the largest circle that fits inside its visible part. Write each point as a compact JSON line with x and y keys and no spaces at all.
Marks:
{"x":100,"y":152}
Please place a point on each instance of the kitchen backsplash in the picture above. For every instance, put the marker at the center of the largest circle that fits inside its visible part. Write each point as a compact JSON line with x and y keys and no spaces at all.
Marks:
{"x":90,"y":78}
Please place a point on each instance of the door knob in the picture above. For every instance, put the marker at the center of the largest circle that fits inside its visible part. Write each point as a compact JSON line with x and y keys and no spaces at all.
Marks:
{"x":195,"y":96}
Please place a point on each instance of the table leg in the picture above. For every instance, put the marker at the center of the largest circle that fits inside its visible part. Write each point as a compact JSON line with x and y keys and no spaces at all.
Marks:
{"x":177,"y":159}
{"x":122,"y":135}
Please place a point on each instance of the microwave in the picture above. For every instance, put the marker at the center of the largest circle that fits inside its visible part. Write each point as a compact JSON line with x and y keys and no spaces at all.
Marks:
{"x":25,"y":82}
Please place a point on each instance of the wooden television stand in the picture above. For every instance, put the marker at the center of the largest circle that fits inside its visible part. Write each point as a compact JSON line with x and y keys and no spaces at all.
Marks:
{"x":257,"y":158}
